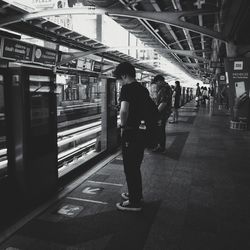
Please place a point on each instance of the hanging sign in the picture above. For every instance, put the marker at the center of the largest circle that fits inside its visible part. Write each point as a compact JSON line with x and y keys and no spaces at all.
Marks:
{"x":88,"y":64}
{"x":97,"y":66}
{"x":45,"y":56}
{"x":15,"y":49}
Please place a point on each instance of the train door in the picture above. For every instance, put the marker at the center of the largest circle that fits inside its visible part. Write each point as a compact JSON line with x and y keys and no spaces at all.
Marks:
{"x":33,"y":130}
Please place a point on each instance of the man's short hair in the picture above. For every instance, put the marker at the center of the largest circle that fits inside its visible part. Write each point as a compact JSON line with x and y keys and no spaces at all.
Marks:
{"x":158,"y":78}
{"x":124,"y":68}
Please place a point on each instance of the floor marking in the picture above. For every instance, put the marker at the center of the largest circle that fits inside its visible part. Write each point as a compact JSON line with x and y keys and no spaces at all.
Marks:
{"x":80,"y":199}
{"x":92,"y":190}
{"x":68,"y":188}
{"x":70,"y":210}
{"x":106,"y":183}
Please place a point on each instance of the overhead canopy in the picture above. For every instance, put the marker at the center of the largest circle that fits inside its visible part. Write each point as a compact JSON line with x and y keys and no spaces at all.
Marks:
{"x":191,"y":34}
{"x":44,"y":29}
{"x":199,"y":26}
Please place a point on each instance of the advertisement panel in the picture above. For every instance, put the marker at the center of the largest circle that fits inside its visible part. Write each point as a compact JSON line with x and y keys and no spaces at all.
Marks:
{"x":237,"y":76}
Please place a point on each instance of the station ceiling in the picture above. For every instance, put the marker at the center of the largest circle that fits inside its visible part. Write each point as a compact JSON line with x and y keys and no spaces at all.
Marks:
{"x":190,"y":33}
{"x":227,"y":18}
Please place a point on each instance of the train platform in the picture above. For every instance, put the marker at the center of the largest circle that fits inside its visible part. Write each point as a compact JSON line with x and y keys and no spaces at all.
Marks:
{"x":196,"y":196}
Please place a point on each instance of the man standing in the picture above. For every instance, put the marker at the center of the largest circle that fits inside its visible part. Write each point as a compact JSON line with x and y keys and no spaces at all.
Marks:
{"x":132,"y":98}
{"x":164,"y":103}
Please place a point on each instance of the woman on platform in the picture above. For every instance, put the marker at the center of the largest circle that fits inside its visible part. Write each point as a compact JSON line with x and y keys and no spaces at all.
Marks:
{"x":177,"y":99}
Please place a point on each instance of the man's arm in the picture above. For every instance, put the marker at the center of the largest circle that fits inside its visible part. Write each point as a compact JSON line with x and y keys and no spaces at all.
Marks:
{"x":124,"y":112}
{"x":162,"y":106}
{"x":165,"y":96}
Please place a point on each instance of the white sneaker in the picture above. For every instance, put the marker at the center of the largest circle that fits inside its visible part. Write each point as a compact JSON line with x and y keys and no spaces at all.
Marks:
{"x":127,"y":206}
{"x":125,"y":196}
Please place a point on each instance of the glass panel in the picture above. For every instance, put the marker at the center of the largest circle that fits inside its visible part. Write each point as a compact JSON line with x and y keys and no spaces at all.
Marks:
{"x":81,"y":127}
{"x":3,"y":146}
{"x":39,"y":86}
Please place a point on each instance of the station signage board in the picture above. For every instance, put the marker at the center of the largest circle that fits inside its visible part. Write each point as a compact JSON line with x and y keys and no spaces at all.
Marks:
{"x":88,"y":64}
{"x":80,"y":64}
{"x":221,"y":79}
{"x":15,"y":49}
{"x":97,"y":66}
{"x":44,"y":55}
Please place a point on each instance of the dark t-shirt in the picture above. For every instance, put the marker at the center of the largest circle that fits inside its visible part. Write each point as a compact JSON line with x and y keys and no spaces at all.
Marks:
{"x":198,"y":91}
{"x":165,"y":95}
{"x":135,"y":94}
{"x":177,"y":97}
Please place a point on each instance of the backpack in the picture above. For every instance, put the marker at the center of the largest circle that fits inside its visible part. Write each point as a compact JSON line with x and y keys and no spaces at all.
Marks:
{"x":151,"y":116}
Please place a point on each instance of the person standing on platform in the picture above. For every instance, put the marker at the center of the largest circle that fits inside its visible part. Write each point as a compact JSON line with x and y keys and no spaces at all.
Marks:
{"x":177,"y":99}
{"x":132,"y":99}
{"x":164,"y":103}
{"x":198,"y":95}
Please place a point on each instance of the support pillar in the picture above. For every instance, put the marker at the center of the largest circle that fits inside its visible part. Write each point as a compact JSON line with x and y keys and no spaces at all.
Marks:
{"x":99,"y":28}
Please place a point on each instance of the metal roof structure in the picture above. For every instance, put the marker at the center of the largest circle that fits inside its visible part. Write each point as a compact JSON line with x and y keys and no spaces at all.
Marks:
{"x":189,"y":33}
{"x":200,"y":28}
{"x":49,"y":31}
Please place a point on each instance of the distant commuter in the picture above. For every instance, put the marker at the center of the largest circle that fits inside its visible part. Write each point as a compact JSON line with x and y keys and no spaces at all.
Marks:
{"x":177,"y":100}
{"x":204,"y":95}
{"x":198,"y":95}
{"x":132,"y":97}
{"x":164,"y":103}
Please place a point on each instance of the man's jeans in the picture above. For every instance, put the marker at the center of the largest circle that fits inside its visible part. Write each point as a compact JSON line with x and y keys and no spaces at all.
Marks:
{"x":133,"y":143}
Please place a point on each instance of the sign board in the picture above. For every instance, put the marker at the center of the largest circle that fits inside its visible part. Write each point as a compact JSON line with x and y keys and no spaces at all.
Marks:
{"x":45,"y":56}
{"x":238,"y":77}
{"x":240,"y":88}
{"x":221,"y":79}
{"x":238,"y":65}
{"x":15,"y":49}
{"x":88,"y":64}
{"x":18,"y":50}
{"x":80,"y":64}
{"x":97,"y":66}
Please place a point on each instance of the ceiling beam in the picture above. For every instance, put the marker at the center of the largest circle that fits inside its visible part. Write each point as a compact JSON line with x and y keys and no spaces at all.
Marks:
{"x":71,"y":56}
{"x":172,"y":18}
{"x":177,"y":6}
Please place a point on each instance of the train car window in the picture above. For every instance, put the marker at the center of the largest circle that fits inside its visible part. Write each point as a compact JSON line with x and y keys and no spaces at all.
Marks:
{"x":3,"y":146}
{"x":79,"y":120}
